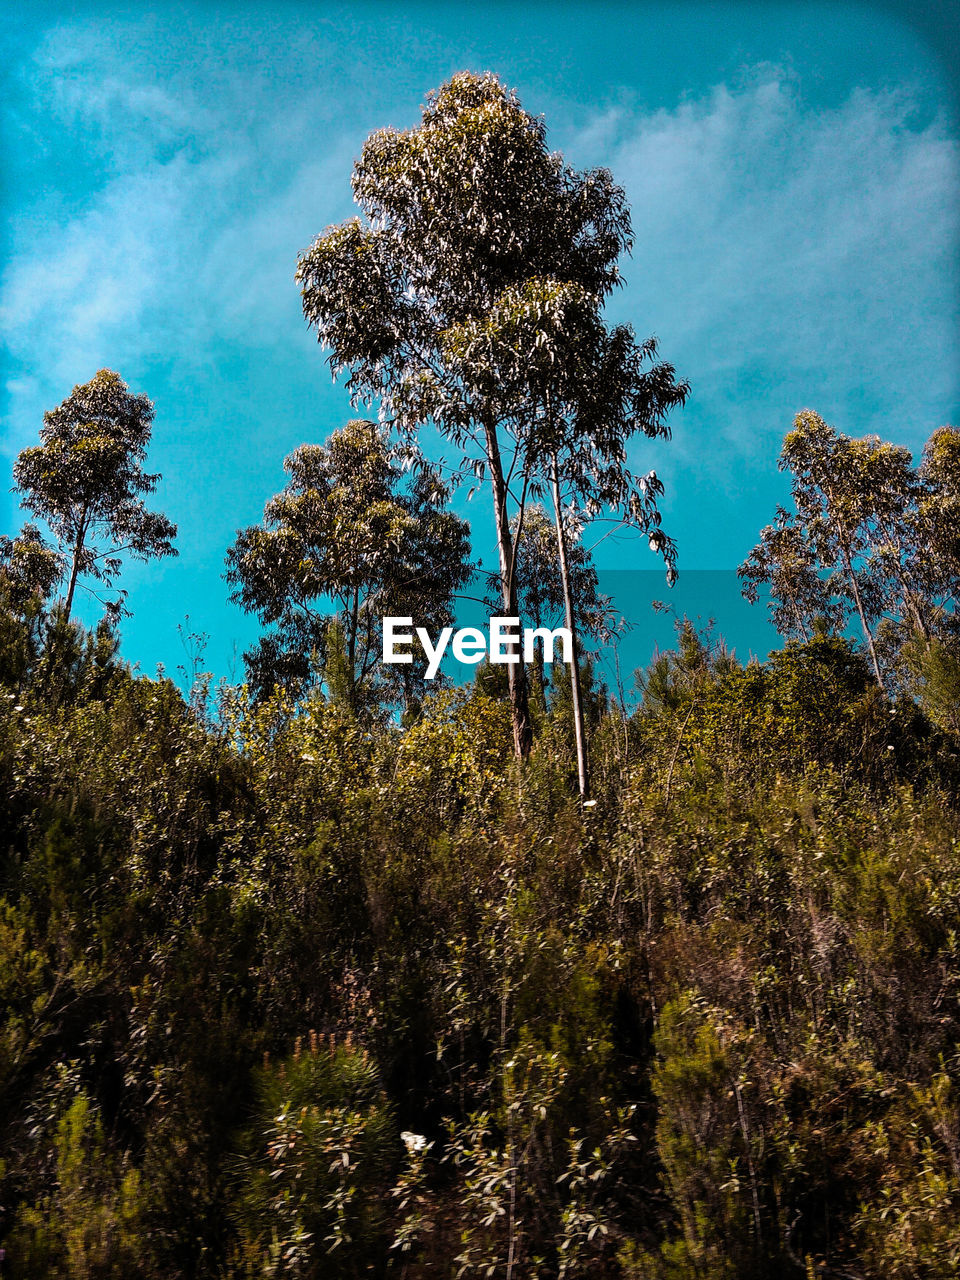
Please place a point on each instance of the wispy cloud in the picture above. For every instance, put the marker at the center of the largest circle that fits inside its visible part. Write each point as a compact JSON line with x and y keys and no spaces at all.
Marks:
{"x":780,"y":250}
{"x":189,"y":240}
{"x":784,"y":252}
{"x":89,"y":282}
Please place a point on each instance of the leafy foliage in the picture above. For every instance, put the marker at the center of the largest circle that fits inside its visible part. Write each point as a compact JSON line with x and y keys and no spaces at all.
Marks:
{"x":471,"y":296}
{"x":704,"y":1025}
{"x":344,"y":530}
{"x":707,"y":1026}
{"x":871,"y":535}
{"x":86,"y":480}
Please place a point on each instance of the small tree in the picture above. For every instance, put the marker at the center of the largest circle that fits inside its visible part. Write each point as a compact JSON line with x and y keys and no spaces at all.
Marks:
{"x":29,"y":569}
{"x":850,"y":498}
{"x":344,"y":532}
{"x":936,"y":523}
{"x":783,"y":561}
{"x":871,"y":535}
{"x":835,"y":502}
{"x":86,"y":480}
{"x":29,"y":572}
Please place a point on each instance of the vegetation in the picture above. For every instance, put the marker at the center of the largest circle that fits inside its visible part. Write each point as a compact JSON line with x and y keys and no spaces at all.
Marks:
{"x":871,"y":536}
{"x":86,"y":480}
{"x":295,"y":983}
{"x":344,"y":530}
{"x":290,"y":991}
{"x":472,"y":297}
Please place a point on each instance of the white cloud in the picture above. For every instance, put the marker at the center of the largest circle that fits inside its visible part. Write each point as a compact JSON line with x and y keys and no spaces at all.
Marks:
{"x":802,"y":248}
{"x":812,"y":248}
{"x":191,"y":238}
{"x":85,"y":283}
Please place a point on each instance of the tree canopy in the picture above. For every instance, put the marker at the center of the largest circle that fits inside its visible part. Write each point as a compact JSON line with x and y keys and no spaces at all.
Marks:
{"x":347,"y":541}
{"x":871,"y":536}
{"x":470,"y":295}
{"x":86,"y":481}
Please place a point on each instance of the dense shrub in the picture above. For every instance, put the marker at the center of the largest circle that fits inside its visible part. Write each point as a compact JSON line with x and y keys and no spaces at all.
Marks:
{"x":704,"y":1027}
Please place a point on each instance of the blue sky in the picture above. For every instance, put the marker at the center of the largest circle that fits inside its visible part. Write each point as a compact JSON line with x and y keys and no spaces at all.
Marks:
{"x":793,"y":171}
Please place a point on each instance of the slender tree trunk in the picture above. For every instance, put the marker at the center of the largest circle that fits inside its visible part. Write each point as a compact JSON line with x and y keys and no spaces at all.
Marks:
{"x":541,"y":677}
{"x":352,"y":648}
{"x":910,"y":597}
{"x":798,"y":617}
{"x":858,"y":601}
{"x":55,"y":649}
{"x":918,"y":618}
{"x":516,"y":673}
{"x":676,"y":749}
{"x":74,"y":572}
{"x":579,"y":732}
{"x":741,"y":1112}
{"x":511,"y":1141}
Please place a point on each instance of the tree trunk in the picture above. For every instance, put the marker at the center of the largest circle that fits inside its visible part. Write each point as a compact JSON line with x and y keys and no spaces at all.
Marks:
{"x":910,"y":598}
{"x":516,"y":672}
{"x":352,"y":649}
{"x":74,"y":572}
{"x":541,"y":677}
{"x":579,"y":732}
{"x":867,"y":633}
{"x":798,"y":618}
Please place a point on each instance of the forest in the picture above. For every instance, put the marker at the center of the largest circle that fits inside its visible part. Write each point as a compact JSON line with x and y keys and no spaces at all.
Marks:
{"x":344,"y":972}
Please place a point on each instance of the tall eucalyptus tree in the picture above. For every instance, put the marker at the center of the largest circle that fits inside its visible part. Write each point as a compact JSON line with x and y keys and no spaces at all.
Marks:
{"x":475,"y":239}
{"x":577,"y":391}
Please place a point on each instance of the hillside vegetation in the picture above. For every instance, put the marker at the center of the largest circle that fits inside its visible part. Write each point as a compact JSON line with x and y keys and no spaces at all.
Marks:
{"x":288,"y":991}
{"x":342,"y":972}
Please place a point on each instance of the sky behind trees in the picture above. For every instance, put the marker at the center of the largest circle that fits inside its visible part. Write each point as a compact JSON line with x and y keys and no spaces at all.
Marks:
{"x":792,"y":172}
